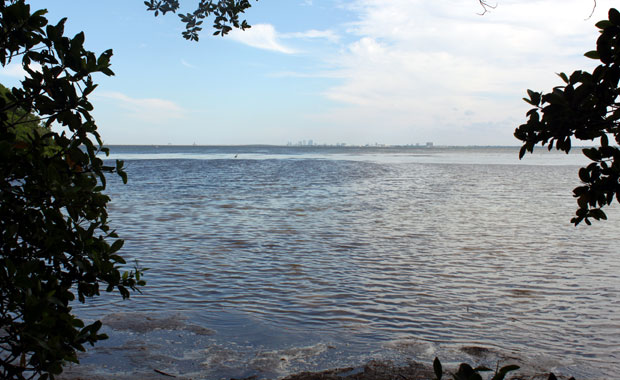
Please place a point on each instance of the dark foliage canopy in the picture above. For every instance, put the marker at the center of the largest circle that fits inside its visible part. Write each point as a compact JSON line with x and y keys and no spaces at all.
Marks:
{"x":585,"y":108}
{"x":55,"y":242}
{"x":225,"y":15}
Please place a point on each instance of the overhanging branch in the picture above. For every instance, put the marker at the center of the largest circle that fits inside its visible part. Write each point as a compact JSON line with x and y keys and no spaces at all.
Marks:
{"x":593,"y":9}
{"x":486,"y":6}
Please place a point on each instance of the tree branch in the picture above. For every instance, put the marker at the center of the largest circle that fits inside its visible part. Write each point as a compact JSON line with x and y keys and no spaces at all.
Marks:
{"x":486,"y":6}
{"x":593,"y":9}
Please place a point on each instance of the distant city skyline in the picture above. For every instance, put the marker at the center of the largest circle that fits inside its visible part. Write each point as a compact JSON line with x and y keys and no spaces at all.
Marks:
{"x":355,"y":71}
{"x":310,"y":142}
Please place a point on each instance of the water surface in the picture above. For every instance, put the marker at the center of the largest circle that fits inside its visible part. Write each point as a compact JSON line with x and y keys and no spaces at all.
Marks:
{"x":309,"y":258}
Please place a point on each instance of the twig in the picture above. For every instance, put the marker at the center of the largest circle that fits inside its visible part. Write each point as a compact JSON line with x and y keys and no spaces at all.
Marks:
{"x":593,"y":9}
{"x":485,"y":6}
{"x":163,"y":373}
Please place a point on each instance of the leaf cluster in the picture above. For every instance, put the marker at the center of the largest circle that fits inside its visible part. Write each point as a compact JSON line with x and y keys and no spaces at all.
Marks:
{"x":225,"y":15}
{"x":466,"y":372}
{"x":585,"y":108}
{"x":55,"y":242}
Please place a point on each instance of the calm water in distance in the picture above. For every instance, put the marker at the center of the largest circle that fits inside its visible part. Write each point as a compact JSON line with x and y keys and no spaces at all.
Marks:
{"x":333,"y":256}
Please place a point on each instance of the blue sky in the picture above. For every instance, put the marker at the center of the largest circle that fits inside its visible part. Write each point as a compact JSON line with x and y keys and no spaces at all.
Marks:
{"x":354,"y":71}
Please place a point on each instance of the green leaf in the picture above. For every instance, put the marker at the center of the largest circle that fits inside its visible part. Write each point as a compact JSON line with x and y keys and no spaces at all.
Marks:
{"x":563,"y":76}
{"x":556,"y":97}
{"x":123,"y":176}
{"x":614,"y":16}
{"x":534,"y":97}
{"x":583,"y":202}
{"x":118,"y":259}
{"x":592,"y":153}
{"x":466,"y":372}
{"x":604,"y":24}
{"x":584,"y":175}
{"x":437,"y":368}
{"x":598,"y":214}
{"x":530,"y":93}
{"x":503,"y":371}
{"x":522,"y":151}
{"x":118,"y":244}
{"x":593,"y":54}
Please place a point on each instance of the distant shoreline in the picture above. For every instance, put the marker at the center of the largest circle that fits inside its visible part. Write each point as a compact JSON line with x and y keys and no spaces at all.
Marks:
{"x":317,"y":146}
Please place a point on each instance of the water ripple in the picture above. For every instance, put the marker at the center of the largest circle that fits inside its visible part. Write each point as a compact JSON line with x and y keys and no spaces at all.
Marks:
{"x":444,"y":253}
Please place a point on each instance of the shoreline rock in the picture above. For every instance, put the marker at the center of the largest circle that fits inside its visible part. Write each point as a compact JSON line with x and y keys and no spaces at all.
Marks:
{"x":373,"y":370}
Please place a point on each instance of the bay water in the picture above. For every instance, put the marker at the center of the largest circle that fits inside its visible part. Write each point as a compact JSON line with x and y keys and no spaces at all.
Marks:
{"x":271,"y":260}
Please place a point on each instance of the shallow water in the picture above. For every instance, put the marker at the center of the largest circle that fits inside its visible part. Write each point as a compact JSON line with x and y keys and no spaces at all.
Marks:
{"x":329,"y":257}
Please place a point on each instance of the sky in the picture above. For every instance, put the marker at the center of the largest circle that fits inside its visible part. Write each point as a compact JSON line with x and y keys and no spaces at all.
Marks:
{"x":359,"y":72}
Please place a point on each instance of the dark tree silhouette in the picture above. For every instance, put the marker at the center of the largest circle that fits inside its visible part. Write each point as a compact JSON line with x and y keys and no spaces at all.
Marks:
{"x":585,"y":107}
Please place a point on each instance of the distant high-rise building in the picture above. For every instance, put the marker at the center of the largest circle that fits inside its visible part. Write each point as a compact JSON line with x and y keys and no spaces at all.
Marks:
{"x":429,"y":144}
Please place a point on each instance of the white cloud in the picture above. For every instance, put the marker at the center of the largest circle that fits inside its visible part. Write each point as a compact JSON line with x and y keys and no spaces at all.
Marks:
{"x":15,"y":70}
{"x":329,"y":35}
{"x":296,"y":74}
{"x":420,"y":65}
{"x":187,"y":64}
{"x":151,"y":110}
{"x":260,"y":36}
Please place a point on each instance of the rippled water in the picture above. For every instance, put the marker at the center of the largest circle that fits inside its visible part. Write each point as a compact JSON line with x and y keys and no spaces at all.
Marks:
{"x":363,"y":253}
